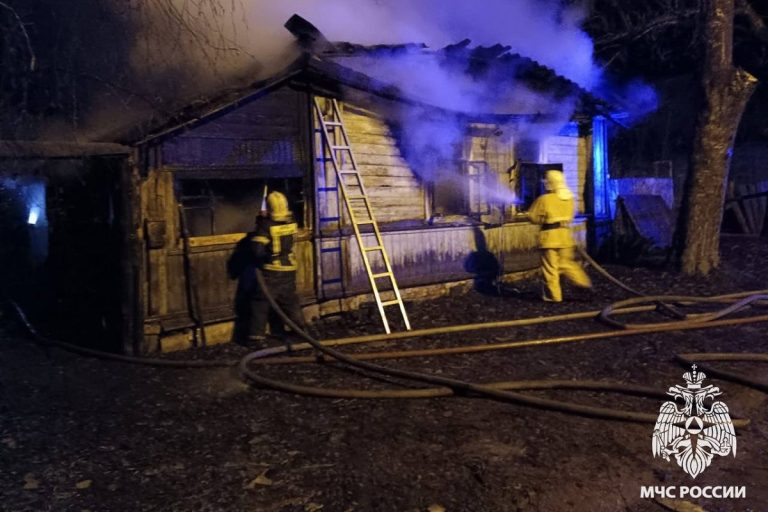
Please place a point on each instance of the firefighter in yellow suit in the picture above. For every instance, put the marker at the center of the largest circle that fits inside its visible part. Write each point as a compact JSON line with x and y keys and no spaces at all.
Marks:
{"x":554,"y":211}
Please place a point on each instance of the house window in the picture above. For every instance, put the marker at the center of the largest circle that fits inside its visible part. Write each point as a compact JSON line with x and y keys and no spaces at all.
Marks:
{"x":529,"y":182}
{"x":480,"y":181}
{"x":226,"y":206}
{"x":449,"y":196}
{"x":475,"y":190}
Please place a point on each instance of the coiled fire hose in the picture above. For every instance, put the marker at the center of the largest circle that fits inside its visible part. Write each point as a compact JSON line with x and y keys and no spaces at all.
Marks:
{"x":447,"y":386}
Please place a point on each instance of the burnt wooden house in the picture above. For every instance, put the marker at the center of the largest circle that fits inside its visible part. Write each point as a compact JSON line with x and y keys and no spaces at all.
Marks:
{"x":192,"y":186}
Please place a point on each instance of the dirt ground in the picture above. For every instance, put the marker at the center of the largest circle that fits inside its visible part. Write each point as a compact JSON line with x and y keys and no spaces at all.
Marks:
{"x":83,"y":434}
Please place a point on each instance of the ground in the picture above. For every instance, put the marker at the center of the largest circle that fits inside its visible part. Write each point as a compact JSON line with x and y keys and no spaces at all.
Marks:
{"x":82,"y":433}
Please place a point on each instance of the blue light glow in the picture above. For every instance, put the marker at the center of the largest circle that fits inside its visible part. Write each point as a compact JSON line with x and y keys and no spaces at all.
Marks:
{"x":600,"y":166}
{"x":34,"y":215}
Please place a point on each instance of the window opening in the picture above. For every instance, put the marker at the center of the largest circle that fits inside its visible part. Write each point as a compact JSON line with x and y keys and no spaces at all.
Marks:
{"x":226,"y":206}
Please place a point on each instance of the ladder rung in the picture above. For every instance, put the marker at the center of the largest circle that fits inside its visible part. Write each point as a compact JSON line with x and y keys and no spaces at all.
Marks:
{"x":341,"y":148}
{"x":374,"y":248}
{"x":357,"y":197}
{"x":383,"y":274}
{"x":330,"y":249}
{"x":332,"y":123}
{"x":349,"y":171}
{"x":390,"y":302}
{"x":358,"y":222}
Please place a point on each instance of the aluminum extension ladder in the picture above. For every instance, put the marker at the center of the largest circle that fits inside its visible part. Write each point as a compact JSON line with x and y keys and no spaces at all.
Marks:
{"x":358,"y":206}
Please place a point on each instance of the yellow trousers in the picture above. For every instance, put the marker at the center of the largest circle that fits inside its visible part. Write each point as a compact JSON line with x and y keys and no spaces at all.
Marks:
{"x":557,"y":262}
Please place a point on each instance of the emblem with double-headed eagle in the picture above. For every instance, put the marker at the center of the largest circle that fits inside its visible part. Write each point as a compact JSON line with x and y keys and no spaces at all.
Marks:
{"x":691,"y":431}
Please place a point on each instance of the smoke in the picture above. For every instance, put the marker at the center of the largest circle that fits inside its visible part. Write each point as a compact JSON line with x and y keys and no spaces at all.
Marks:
{"x":187,"y":48}
{"x":215,"y":37}
{"x":634,"y":97}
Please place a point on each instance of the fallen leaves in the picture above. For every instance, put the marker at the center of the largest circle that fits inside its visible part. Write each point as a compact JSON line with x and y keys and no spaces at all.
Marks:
{"x":83,"y":484}
{"x":30,"y":482}
{"x":262,"y":479}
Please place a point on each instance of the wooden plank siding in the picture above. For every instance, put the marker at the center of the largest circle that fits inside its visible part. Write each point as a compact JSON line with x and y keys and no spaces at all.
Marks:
{"x":270,"y":131}
{"x":439,"y":254}
{"x":267,"y":131}
{"x":395,"y":190}
{"x":573,"y":153}
{"x":216,"y":290}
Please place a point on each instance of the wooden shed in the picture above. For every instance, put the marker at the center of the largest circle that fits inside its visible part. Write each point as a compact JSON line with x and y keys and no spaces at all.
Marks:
{"x":65,"y":238}
{"x":204,"y":172}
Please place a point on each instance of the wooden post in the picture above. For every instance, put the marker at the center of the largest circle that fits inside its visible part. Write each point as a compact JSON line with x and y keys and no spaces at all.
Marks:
{"x":131,"y":307}
{"x":193,"y":297}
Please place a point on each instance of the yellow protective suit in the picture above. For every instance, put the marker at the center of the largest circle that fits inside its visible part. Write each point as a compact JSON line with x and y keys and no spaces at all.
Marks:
{"x":554,"y":212}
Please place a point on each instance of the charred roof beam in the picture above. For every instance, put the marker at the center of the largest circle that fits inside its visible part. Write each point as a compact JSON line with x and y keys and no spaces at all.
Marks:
{"x":309,"y":36}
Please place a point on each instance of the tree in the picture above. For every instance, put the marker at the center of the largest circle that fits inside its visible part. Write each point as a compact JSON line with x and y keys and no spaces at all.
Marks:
{"x":142,"y":58}
{"x":726,"y":92}
{"x":641,"y":36}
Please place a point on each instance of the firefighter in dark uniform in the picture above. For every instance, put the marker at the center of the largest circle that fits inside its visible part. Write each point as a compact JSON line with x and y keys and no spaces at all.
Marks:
{"x":272,"y":245}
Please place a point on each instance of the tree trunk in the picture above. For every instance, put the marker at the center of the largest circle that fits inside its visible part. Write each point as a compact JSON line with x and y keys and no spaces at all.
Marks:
{"x":726,"y":90}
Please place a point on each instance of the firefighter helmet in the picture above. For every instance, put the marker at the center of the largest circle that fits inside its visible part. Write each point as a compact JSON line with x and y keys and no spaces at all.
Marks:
{"x":277,"y":204}
{"x":555,"y":182}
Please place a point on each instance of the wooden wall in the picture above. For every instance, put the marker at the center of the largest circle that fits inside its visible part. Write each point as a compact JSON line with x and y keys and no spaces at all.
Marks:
{"x":395,"y":190}
{"x":263,"y":138}
{"x":444,"y":254}
{"x":267,"y":132}
{"x":574,"y":153}
{"x":422,"y":254}
{"x":486,"y":143}
{"x":274,"y":134}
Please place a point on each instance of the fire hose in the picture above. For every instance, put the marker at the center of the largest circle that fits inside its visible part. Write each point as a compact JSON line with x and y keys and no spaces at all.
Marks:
{"x":449,"y":386}
{"x":673,"y":326}
{"x":47,"y":341}
{"x":724,"y":356}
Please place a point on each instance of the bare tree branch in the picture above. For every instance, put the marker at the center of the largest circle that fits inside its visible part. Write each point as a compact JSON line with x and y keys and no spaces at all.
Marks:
{"x":756,"y":22}
{"x":32,"y":58}
{"x":637,"y":32}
